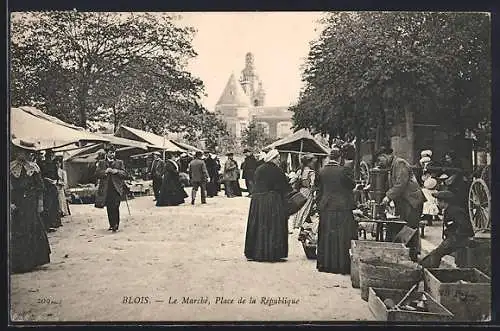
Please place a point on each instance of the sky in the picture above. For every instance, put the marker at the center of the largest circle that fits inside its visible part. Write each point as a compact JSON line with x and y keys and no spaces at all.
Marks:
{"x":278,"y":40}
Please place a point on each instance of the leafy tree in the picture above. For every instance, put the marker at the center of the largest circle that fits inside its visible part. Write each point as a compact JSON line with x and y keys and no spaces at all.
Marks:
{"x":367,"y":71}
{"x":127,"y":67}
{"x":254,"y":136}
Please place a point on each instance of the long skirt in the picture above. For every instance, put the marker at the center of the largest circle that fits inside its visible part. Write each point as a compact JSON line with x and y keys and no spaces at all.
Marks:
{"x":267,"y":228}
{"x":63,"y":203}
{"x":335,"y":232}
{"x":304,"y":212}
{"x":212,"y":187}
{"x":29,"y":245}
{"x":171,"y":193}
{"x":51,"y":215}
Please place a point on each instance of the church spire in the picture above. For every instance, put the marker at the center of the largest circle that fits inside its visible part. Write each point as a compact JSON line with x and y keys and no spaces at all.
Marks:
{"x":251,"y":83}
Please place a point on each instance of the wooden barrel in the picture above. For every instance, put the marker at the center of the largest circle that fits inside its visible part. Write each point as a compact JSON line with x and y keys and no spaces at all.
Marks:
{"x":366,"y":249}
{"x":376,"y":272}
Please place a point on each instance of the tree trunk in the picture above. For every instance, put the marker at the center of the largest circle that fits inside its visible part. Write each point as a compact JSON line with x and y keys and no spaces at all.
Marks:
{"x":82,"y":106}
{"x":357,"y":146}
{"x":410,"y":135}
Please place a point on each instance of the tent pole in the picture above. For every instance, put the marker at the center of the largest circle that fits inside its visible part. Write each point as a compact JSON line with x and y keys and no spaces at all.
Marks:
{"x":301,"y":146}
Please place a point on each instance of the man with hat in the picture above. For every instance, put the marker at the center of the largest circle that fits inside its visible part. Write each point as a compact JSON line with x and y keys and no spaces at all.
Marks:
{"x":248,"y":168}
{"x":457,"y":230}
{"x":405,"y":191}
{"x":111,"y":174}
{"x":157,"y":170}
{"x":198,"y":175}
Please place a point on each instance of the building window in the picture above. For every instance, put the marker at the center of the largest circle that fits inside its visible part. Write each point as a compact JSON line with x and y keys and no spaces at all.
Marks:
{"x":256,"y":103}
{"x":243,"y":127}
{"x":284,"y":129}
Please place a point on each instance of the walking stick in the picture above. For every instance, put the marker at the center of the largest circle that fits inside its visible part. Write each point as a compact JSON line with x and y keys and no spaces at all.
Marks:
{"x":126,"y":199}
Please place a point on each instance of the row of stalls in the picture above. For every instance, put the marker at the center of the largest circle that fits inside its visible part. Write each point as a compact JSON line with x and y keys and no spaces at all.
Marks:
{"x":80,"y":148}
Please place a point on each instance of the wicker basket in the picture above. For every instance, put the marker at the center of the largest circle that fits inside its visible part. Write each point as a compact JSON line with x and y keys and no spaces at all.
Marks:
{"x":376,"y":272}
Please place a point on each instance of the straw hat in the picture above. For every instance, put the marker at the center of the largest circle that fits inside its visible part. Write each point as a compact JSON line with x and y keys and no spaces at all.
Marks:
{"x":271,"y":155}
{"x":430,"y":183}
{"x":425,"y":159}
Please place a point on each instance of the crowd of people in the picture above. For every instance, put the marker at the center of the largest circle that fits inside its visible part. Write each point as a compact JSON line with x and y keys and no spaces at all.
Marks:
{"x":38,"y":199}
{"x":37,"y":203}
{"x":428,"y":192}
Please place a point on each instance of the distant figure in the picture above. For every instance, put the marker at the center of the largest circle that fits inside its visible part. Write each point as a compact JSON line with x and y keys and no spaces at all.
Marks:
{"x":29,"y":246}
{"x":267,"y":229}
{"x":157,"y":170}
{"x":231,"y":176}
{"x":337,"y":228}
{"x":171,"y":192}
{"x":199,"y":177}
{"x":213,"y":167}
{"x":50,"y":174}
{"x":62,"y":185}
{"x":248,"y":168}
{"x":111,"y":174}
{"x":430,"y":209}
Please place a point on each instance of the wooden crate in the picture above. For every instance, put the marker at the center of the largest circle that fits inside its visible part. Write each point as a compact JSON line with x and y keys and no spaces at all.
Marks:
{"x":478,"y":257}
{"x":365,"y":249}
{"x":468,"y":302}
{"x":379,"y":310}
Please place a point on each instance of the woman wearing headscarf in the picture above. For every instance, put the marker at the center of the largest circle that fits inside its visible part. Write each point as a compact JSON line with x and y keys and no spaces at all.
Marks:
{"x":267,"y":227}
{"x":29,"y":246}
{"x":336,"y":221}
{"x":305,"y":184}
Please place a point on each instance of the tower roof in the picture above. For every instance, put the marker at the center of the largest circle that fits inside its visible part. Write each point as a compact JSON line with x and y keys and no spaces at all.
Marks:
{"x":233,"y":94}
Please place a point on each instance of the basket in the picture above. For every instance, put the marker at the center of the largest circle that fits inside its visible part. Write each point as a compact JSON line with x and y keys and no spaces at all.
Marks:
{"x":376,"y":272}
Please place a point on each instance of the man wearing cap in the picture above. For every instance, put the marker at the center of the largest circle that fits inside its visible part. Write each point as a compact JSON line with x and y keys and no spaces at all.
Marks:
{"x":111,"y":174}
{"x":157,"y":170}
{"x":405,"y":191}
{"x":198,"y":175}
{"x":248,"y":168}
{"x":457,"y":230}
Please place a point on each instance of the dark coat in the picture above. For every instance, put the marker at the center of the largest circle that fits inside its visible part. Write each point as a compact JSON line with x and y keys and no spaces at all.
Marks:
{"x":198,"y":171}
{"x":116,"y":179}
{"x":269,"y":177}
{"x":335,"y":184}
{"x":403,"y":184}
{"x":456,"y":222}
{"x":157,"y":168}
{"x":248,"y":167}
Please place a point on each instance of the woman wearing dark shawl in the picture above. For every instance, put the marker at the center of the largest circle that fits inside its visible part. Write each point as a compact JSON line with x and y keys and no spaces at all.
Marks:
{"x":336,"y":222}
{"x":49,"y":170}
{"x":171,"y":192}
{"x":29,"y":246}
{"x":213,"y":168}
{"x":267,"y":228}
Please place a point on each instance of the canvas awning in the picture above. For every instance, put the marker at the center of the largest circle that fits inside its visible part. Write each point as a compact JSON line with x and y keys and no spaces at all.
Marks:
{"x":148,"y":137}
{"x":300,"y":141}
{"x":32,"y":124}
{"x":186,"y":147}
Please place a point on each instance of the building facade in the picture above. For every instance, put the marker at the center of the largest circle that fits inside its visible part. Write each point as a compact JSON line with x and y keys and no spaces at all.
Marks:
{"x":244,"y":99}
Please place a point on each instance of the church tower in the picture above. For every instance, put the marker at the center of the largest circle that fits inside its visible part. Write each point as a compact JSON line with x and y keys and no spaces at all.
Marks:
{"x":251,"y":83}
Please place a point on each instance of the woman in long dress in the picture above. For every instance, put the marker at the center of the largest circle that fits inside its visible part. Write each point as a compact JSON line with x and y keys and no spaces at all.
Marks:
{"x":29,"y":246}
{"x":267,"y":228}
{"x":61,"y":189}
{"x":172,"y":192}
{"x":336,"y":222}
{"x":305,"y":185}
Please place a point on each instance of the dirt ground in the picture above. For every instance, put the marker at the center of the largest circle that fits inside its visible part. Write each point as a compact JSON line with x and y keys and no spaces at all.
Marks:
{"x":182,"y":263}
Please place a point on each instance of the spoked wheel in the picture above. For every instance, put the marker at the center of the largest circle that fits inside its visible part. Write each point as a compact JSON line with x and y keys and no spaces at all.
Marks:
{"x":480,"y":206}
